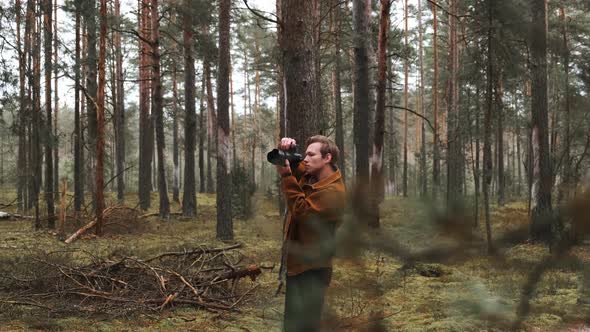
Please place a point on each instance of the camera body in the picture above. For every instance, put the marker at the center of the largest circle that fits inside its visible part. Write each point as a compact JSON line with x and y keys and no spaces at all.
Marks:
{"x":278,"y":157}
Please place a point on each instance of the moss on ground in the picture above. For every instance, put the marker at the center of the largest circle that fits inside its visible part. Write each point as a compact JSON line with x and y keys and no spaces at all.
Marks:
{"x":368,"y":290}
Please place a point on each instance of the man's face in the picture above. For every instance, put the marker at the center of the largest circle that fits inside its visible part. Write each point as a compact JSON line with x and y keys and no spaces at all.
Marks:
{"x":314,"y":162}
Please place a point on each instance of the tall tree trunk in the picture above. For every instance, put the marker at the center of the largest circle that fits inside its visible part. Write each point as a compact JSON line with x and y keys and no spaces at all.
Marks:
{"x":542,"y":177}
{"x":224,"y":180}
{"x":423,"y":177}
{"x":454,"y":169}
{"x":119,"y":116}
{"x":202,"y":132}
{"x":487,"y":148}
{"x":145,"y":126}
{"x":36,"y":155}
{"x":361,"y":89}
{"x":210,"y":127}
{"x":297,"y":47}
{"x":435,"y":145}
{"x":175,"y":154}
{"x":500,"y":138}
{"x":48,"y":39}
{"x":377,"y":185}
{"x":158,"y":112}
{"x":391,"y":142}
{"x":189,"y":196}
{"x":91,"y":88}
{"x":566,"y":183}
{"x":78,"y":161}
{"x":336,"y":90}
{"x":23,"y":111}
{"x":100,"y":119}
{"x":406,"y":64}
{"x":55,"y":109}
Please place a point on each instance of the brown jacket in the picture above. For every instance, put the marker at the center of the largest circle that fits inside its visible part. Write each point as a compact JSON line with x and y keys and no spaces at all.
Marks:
{"x":315,"y":211}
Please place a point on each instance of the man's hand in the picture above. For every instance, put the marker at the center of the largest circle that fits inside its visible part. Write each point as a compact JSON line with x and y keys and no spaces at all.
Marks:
{"x":284,"y":170}
{"x":286,"y":144}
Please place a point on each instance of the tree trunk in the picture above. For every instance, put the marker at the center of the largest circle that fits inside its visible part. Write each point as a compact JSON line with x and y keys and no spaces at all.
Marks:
{"x":48,"y":38}
{"x":22,"y":114}
{"x":202,"y":135}
{"x":566,"y":183}
{"x":297,"y":47}
{"x":210,"y":127}
{"x":361,"y":89}
{"x":56,"y":193}
{"x":119,"y":116}
{"x":189,"y":196}
{"x":542,"y":177}
{"x":454,"y":157}
{"x":91,"y":87}
{"x":175,"y":153}
{"x":423,"y":177}
{"x":100,"y":119}
{"x":500,"y":139}
{"x":145,"y":126}
{"x":435,"y":145}
{"x":78,"y":162}
{"x":406,"y":64}
{"x":377,"y":185}
{"x":224,"y":180}
{"x":336,"y":90}
{"x":487,"y":148}
{"x":158,"y":112}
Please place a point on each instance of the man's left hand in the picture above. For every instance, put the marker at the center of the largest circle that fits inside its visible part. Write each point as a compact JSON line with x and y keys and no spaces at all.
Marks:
{"x":284,"y":170}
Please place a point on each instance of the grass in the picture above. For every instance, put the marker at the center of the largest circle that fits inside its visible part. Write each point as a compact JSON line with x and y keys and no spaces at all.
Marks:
{"x":370,"y":290}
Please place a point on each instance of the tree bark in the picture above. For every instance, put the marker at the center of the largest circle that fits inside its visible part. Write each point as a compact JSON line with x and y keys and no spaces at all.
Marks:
{"x":78,"y":162}
{"x":336,"y":89}
{"x":158,"y":112}
{"x":224,"y":179}
{"x":423,"y":177}
{"x":565,"y":187}
{"x":500,"y":139}
{"x":91,"y":88}
{"x":210,"y":127}
{"x":377,"y":185}
{"x":454,"y":144}
{"x":119,"y":116}
{"x":406,"y":64}
{"x":145,"y":126}
{"x":435,"y":145}
{"x":23,"y":111}
{"x":297,"y":48}
{"x":361,"y":89}
{"x":542,"y":177}
{"x":48,"y":38}
{"x":202,"y":133}
{"x":189,"y":197}
{"x":100,"y":119}
{"x":56,"y":193}
{"x":487,"y":149}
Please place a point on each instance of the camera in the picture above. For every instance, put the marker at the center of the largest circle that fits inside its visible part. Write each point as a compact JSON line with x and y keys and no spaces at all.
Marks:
{"x":278,"y":157}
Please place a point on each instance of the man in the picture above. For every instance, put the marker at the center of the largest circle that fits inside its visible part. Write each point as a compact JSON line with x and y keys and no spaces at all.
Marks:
{"x":315,"y":196}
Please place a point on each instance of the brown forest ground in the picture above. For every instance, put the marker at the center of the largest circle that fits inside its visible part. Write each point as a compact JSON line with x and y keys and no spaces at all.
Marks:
{"x":371,"y":289}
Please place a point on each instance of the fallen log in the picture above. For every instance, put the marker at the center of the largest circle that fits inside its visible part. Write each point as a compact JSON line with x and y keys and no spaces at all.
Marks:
{"x":81,"y":231}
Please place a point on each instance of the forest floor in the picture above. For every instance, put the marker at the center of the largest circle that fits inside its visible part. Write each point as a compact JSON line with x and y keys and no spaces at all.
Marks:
{"x":373,"y":289}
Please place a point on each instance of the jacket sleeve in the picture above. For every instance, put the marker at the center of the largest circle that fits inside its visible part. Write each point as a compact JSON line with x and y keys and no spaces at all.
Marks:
{"x":327,"y":203}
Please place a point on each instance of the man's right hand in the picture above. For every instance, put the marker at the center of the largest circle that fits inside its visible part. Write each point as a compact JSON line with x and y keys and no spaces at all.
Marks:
{"x":287,"y":143}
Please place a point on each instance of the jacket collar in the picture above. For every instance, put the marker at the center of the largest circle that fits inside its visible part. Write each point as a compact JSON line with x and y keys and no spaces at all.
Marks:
{"x":326,"y":181}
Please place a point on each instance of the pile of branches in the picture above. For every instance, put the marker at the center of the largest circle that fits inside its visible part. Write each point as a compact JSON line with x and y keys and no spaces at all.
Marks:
{"x":206,"y":278}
